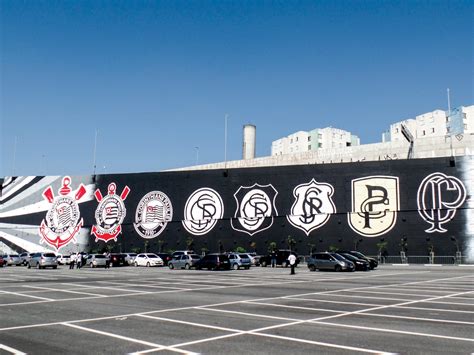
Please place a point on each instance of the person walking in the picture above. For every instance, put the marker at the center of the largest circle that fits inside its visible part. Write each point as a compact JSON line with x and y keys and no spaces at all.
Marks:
{"x":78,"y":260}
{"x":292,"y":261}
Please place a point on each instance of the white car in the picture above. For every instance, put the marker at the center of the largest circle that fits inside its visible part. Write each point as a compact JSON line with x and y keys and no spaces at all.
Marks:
{"x":64,"y":259}
{"x":130,"y":258}
{"x":148,"y":259}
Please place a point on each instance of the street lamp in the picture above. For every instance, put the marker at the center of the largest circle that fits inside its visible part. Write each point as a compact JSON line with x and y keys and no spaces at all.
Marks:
{"x":197,"y":155}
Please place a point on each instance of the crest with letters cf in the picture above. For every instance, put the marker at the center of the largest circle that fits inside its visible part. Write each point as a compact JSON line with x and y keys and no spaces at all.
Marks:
{"x":375,"y":203}
{"x":255,"y":208}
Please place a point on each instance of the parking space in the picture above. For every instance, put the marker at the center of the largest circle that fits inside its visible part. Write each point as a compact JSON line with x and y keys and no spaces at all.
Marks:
{"x":262,"y":310}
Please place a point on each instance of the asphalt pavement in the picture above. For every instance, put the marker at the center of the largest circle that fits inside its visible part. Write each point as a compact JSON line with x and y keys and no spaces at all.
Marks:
{"x":393,"y":309}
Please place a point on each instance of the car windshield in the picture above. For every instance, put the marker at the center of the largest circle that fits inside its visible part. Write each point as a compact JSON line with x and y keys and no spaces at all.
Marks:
{"x":152,"y":256}
{"x":359,"y":255}
{"x":132,"y":254}
{"x":14,"y":256}
{"x":245,"y":256}
{"x":49,"y":255}
{"x":100,"y":256}
{"x":195,"y":257}
{"x":349,"y":256}
{"x":338,"y":257}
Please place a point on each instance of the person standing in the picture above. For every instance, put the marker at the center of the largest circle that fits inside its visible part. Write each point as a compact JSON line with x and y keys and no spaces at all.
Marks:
{"x":292,"y":261}
{"x":72,"y":260}
{"x":273,"y":258}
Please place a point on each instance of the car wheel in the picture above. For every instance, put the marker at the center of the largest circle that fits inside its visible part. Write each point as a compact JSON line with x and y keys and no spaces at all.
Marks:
{"x":312,"y":268}
{"x":171,"y":266}
{"x":338,"y":268}
{"x":187,"y":266}
{"x":284,"y":264}
{"x":38,"y":266}
{"x":136,"y":264}
{"x":55,"y":267}
{"x":29,"y":266}
{"x":263,"y":264}
{"x":148,"y":264}
{"x":235,"y":267}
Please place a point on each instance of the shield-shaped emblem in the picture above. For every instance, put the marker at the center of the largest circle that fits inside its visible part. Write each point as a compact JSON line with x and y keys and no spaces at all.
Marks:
{"x":312,"y":207}
{"x":255,"y":208}
{"x":375,"y":204}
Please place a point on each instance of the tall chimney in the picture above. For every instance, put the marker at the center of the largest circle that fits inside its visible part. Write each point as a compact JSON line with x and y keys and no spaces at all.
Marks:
{"x":249,"y":141}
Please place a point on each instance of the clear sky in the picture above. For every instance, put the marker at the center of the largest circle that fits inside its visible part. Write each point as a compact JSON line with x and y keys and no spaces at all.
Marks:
{"x":155,"y":79}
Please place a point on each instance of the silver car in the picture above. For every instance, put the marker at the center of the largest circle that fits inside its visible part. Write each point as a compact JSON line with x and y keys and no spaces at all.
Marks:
{"x":12,"y":259}
{"x":183,"y":261}
{"x":238,"y":261}
{"x":96,"y":260}
{"x":43,"y":260}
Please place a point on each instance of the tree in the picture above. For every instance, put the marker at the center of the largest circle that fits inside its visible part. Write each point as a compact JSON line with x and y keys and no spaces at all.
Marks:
{"x":240,"y":250}
{"x":291,"y":242}
{"x":189,"y":243}
{"x":272,"y":246}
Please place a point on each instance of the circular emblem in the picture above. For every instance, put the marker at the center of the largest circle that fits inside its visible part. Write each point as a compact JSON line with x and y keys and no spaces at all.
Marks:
{"x":153,"y":213}
{"x":202,"y":211}
{"x":255,"y":206}
{"x":64,"y":214}
{"x":110,"y":213}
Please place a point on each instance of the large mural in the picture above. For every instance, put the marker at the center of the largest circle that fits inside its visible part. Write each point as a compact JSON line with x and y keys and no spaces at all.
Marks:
{"x":410,"y":205}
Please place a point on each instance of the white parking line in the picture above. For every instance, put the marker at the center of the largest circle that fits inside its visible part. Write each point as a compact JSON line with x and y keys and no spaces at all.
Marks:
{"x":11,"y":350}
{"x":25,"y":295}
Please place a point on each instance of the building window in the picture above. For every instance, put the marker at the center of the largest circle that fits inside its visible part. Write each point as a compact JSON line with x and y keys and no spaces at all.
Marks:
{"x":297,"y":139}
{"x":291,"y":141}
{"x":396,"y":130}
{"x":465,"y":126}
{"x":309,"y":147}
{"x":320,"y":145}
{"x":309,"y":138}
{"x":424,"y":133}
{"x":320,"y":136}
{"x":432,"y":130}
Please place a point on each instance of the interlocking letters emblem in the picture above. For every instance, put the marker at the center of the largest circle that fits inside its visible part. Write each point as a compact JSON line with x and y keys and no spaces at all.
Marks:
{"x":255,"y":208}
{"x":202,"y":211}
{"x":312,"y":207}
{"x":439,"y":196}
{"x":375,"y":204}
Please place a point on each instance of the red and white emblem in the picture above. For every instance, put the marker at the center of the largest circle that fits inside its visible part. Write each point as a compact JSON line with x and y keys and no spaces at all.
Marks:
{"x":63,"y":220}
{"x":110,"y":213}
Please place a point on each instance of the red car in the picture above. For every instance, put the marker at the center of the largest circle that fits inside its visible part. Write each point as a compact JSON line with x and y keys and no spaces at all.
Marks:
{"x":2,"y":261}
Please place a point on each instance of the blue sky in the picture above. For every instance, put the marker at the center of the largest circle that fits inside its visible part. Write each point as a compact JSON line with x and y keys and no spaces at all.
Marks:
{"x":156,"y":78}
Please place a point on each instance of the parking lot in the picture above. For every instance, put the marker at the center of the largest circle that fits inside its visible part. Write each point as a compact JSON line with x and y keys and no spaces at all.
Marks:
{"x":393,"y":309}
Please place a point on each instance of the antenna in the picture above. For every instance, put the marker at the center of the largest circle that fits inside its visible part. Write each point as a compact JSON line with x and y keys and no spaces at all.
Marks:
{"x":95,"y":150}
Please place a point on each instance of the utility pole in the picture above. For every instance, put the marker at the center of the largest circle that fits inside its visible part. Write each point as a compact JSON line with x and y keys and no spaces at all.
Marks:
{"x":225,"y":139}
{"x":95,"y":151}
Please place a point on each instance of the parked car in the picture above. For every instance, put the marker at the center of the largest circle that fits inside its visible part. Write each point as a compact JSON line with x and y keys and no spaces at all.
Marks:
{"x":254,"y":258}
{"x":43,"y":260}
{"x":182,"y":252}
{"x":24,"y":257}
{"x":166,"y":257}
{"x":12,"y":259}
{"x":373,"y":262}
{"x":184,"y":261}
{"x":2,"y":261}
{"x":238,"y":261}
{"x":213,"y":262}
{"x":63,"y":259}
{"x":96,"y":260}
{"x":359,"y":264}
{"x":148,"y":259}
{"x":281,"y":258}
{"x":130,"y":258}
{"x":329,"y":261}
{"x":117,"y":259}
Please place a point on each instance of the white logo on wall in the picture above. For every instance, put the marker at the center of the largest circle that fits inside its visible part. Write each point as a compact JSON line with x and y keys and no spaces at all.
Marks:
{"x":312,"y":207}
{"x":202,"y":211}
{"x":255,"y":208}
{"x":439,"y":196}
{"x":153,"y":213}
{"x":375,"y":203}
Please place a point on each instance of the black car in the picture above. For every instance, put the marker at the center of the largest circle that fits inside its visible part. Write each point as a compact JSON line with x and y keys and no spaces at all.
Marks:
{"x":281,"y":258}
{"x":166,"y":257}
{"x":373,"y":262}
{"x":213,"y":262}
{"x":117,"y":259}
{"x":360,"y":264}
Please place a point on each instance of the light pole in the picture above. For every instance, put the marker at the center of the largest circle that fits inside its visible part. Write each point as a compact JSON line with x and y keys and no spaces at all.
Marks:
{"x":197,"y":155}
{"x":225,"y":138}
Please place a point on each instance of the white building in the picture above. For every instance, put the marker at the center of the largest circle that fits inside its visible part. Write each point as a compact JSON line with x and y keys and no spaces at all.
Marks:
{"x":434,"y":124}
{"x":319,"y":138}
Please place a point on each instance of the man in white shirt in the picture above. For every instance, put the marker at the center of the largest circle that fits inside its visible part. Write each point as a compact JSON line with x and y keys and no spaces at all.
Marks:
{"x":292,"y":261}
